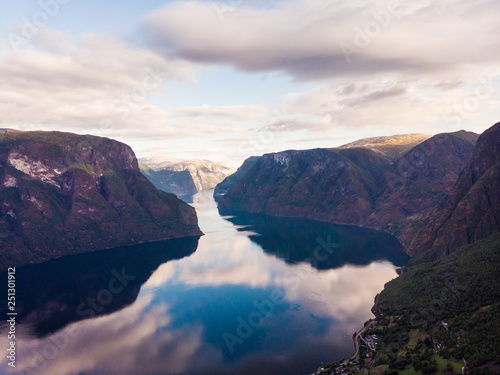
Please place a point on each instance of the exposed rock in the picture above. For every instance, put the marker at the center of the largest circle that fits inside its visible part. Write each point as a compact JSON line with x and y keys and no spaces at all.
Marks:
{"x":178,"y":183}
{"x":417,"y":198}
{"x":63,"y":193}
{"x":387,"y":148}
{"x":331,"y":185}
{"x":472,"y":210}
{"x":226,"y":185}
{"x":420,"y":180}
{"x":180,"y":176}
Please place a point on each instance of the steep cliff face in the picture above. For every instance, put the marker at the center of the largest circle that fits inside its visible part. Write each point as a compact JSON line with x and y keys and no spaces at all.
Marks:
{"x":413,"y":197}
{"x":206,"y":175}
{"x":225,"y":185}
{"x":62,"y":194}
{"x":183,"y":177}
{"x":178,"y":183}
{"x":418,"y":181}
{"x":472,"y":210}
{"x":329,"y":185}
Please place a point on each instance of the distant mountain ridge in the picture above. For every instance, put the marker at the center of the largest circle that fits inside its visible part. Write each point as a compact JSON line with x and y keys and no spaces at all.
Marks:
{"x":179,"y":183}
{"x":183,"y":177}
{"x":392,"y":146}
{"x":62,"y":194}
{"x":158,"y":163}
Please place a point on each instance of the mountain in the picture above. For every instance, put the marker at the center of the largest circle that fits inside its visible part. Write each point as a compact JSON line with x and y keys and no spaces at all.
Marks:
{"x":472,"y":209}
{"x":225,"y":185}
{"x":392,"y":146}
{"x":331,"y":185}
{"x":441,"y":315}
{"x":388,"y":148}
{"x":366,"y":185}
{"x":180,"y":176}
{"x":418,"y":181}
{"x":159,"y":162}
{"x":62,"y":193}
{"x":178,"y":183}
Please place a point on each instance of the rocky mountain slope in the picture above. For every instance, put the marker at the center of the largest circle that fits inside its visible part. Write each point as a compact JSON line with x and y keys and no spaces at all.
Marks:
{"x":178,"y":183}
{"x":180,"y":176}
{"x":225,"y":185}
{"x":441,"y":315}
{"x":409,"y":197}
{"x":62,"y":194}
{"x":330,"y":185}
{"x":471,"y":211}
{"x":418,"y":181}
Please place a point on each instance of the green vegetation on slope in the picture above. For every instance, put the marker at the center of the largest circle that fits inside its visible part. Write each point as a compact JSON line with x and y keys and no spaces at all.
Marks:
{"x":461,"y":292}
{"x":328,"y":185}
{"x":63,"y":194}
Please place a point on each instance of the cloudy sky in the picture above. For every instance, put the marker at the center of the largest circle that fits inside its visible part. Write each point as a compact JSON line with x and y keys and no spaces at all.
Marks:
{"x":223,"y":80}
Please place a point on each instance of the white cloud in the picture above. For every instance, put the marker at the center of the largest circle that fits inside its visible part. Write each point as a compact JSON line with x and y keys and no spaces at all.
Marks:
{"x":417,"y":71}
{"x":125,"y":341}
{"x":382,"y":67}
{"x":99,"y":85}
{"x":308,"y":39}
{"x":398,"y":104}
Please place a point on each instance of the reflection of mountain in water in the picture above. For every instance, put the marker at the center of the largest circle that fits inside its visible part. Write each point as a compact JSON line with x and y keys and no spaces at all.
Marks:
{"x":51,"y":295}
{"x":298,"y":240}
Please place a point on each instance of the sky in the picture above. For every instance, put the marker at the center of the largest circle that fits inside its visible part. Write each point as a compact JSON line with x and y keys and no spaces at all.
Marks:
{"x":224,"y":80}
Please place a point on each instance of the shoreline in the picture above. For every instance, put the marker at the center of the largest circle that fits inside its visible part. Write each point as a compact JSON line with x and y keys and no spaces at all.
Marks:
{"x":351,"y":360}
{"x":356,"y":337}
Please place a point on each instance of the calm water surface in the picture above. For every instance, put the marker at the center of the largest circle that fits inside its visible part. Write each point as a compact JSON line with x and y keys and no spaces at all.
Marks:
{"x":255,"y":295}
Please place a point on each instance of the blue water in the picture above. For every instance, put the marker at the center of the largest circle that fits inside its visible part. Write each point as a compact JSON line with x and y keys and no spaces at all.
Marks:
{"x":254,"y":295}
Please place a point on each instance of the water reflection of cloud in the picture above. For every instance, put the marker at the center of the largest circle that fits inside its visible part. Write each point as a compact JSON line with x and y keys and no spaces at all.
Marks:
{"x":143,"y":338}
{"x":344,"y":291}
{"x":176,"y":324}
{"x":218,"y":262}
{"x":127,"y":342}
{"x":344,"y":300}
